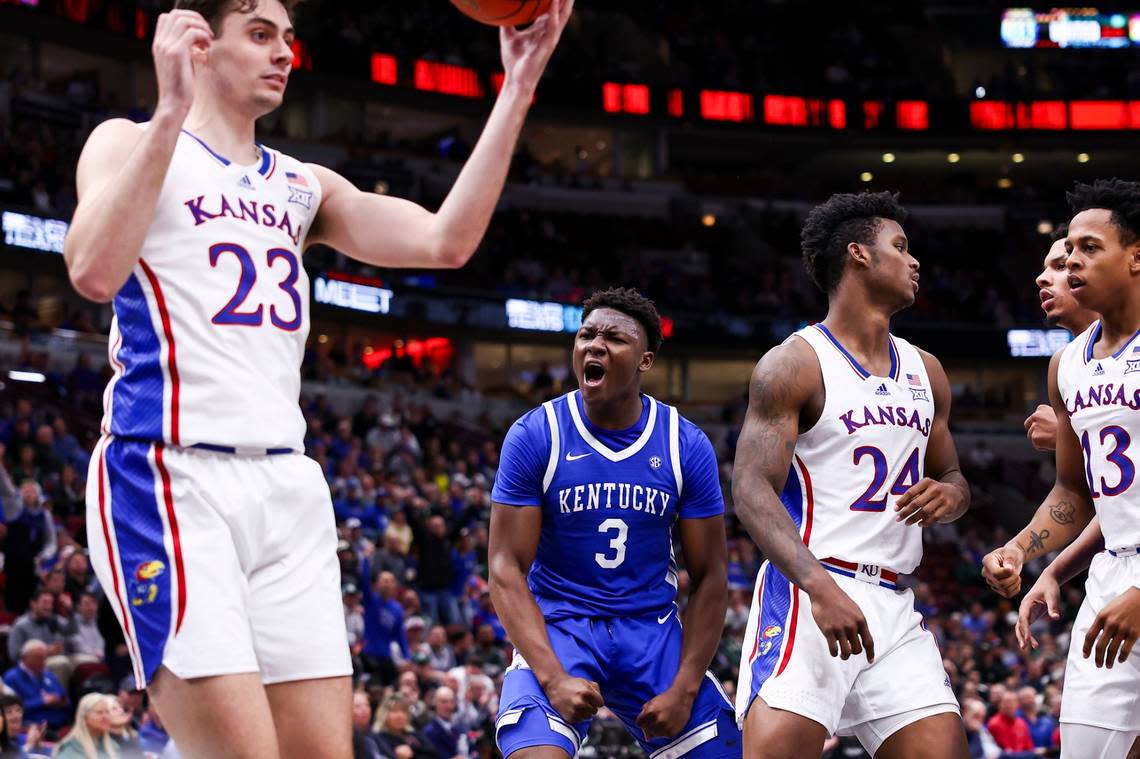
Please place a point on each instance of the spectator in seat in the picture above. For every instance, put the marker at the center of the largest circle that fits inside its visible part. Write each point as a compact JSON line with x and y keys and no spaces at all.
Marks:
{"x":1010,"y":732}
{"x":84,"y":641}
{"x":29,"y":740}
{"x":90,"y":738}
{"x":41,"y":623}
{"x":364,"y":745}
{"x":395,"y":735}
{"x":443,"y":732}
{"x":44,"y":697}
{"x":1041,"y":724}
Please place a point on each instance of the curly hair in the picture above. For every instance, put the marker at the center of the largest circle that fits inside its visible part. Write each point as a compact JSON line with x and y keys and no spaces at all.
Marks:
{"x":214,"y":11}
{"x":1060,"y":232}
{"x":1120,"y":197}
{"x":832,"y":226}
{"x":631,"y":303}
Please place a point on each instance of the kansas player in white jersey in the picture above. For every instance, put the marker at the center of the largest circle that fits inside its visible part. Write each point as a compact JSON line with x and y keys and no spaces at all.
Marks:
{"x":211,"y":533}
{"x":1094,"y":386}
{"x":844,"y":456}
{"x":589,"y":489}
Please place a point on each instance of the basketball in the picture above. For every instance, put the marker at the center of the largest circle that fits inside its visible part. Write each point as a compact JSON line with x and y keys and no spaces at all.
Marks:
{"x":503,"y":12}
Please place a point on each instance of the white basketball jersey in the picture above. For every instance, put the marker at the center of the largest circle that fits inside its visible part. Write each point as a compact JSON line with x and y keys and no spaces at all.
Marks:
{"x":866,"y":449}
{"x":1102,"y":396}
{"x":210,"y":327}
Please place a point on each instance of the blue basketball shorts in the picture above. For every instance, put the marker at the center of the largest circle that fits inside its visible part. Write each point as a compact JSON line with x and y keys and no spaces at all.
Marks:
{"x":632,"y":660}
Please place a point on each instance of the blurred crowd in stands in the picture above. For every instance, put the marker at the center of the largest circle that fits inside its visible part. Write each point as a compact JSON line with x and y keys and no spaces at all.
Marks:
{"x":410,"y":488}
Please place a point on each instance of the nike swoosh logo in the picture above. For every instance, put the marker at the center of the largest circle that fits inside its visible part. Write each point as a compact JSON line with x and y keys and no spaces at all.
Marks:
{"x":661,"y":620}
{"x":575,"y":457}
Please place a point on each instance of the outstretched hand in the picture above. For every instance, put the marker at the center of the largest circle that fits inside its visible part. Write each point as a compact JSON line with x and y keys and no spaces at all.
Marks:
{"x":527,"y":51}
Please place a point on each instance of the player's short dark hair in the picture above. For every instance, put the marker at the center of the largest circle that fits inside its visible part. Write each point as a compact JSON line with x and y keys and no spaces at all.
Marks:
{"x":832,"y":226}
{"x":631,"y":303}
{"x":1060,"y":233}
{"x":216,"y":10}
{"x":1120,"y":197}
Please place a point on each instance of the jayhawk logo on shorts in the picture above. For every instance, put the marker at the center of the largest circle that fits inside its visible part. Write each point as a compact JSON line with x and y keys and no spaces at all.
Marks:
{"x":142,"y":586}
{"x":768,"y":637}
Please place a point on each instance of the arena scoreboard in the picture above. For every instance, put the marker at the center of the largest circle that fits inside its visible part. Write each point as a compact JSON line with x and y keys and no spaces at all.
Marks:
{"x":1069,"y":28}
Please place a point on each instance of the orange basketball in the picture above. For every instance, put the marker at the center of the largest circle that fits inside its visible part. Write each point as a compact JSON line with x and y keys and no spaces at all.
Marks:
{"x":503,"y":12}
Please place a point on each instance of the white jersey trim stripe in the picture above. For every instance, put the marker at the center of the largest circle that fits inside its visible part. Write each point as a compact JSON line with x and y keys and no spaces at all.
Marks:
{"x":593,"y":442}
{"x":555,"y":447}
{"x":675,"y":448}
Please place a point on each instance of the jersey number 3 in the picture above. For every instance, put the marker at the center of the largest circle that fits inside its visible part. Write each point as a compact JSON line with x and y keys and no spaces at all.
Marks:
{"x":618,"y":544}
{"x":231,"y":313}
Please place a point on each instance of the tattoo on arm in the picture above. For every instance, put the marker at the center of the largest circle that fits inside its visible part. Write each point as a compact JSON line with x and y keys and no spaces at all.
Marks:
{"x":1036,"y":542}
{"x":1062,"y":512}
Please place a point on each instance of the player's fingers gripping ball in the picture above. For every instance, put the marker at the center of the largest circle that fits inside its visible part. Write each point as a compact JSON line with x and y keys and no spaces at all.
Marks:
{"x":503,"y":12}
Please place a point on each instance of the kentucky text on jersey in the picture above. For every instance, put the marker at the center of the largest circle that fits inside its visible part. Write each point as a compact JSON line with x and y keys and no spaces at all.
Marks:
{"x":1108,"y":394}
{"x":265,"y":215}
{"x":898,"y":416}
{"x":617,"y":495}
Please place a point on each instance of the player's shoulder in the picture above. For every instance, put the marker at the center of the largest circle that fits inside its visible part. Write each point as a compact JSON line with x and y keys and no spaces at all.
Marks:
{"x":789,"y":372}
{"x":536,"y":420}
{"x":114,"y":136}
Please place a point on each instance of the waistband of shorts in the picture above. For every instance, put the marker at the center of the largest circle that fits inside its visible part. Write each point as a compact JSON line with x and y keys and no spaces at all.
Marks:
{"x":229,"y":449}
{"x":872,"y":574}
{"x":1123,"y":551}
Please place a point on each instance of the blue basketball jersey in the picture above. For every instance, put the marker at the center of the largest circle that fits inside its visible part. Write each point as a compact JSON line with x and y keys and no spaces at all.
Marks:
{"x":609,"y":500}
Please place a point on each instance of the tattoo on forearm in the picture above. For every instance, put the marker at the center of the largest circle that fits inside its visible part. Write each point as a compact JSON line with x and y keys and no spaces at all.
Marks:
{"x":1062,"y":512}
{"x":1036,"y":542}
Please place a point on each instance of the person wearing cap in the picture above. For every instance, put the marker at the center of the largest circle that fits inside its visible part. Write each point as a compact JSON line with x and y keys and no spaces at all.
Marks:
{"x":415,"y":629}
{"x":353,"y":616}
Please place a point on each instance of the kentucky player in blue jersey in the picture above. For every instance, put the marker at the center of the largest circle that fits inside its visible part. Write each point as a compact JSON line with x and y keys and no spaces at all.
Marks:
{"x":583,"y":575}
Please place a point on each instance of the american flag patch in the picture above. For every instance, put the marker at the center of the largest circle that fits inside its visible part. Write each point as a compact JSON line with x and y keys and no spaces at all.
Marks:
{"x":914,"y":380}
{"x":296,"y":179}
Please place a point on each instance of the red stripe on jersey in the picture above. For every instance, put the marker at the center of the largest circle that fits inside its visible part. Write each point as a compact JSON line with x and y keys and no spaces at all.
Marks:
{"x":168,"y":499}
{"x":808,"y":497}
{"x":791,"y":629}
{"x":172,"y":364}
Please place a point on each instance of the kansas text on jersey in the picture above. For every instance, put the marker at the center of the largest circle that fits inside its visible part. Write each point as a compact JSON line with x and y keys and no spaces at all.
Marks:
{"x":210,"y":327}
{"x":1102,"y":396}
{"x":870,"y":445}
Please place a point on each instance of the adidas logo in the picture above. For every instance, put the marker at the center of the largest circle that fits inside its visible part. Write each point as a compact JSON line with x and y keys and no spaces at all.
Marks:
{"x":882,"y":390}
{"x":244,"y":182}
{"x":1098,"y":371}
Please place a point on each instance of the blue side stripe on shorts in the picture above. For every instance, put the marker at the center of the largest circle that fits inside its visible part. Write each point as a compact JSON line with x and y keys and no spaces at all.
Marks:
{"x":774,"y":608}
{"x":141,"y":548}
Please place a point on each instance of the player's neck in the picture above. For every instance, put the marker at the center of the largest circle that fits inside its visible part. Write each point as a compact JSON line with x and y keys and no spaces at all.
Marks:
{"x":860,"y":329}
{"x":616,"y":414}
{"x":227,"y":131}
{"x":1120,"y":322}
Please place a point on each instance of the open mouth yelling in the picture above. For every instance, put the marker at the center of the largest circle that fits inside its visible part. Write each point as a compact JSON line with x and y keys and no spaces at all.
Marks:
{"x":593,"y":373}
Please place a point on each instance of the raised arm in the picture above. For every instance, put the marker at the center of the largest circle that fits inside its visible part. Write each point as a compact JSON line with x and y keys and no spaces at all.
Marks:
{"x":782,"y":385}
{"x":386,"y":231}
{"x":943,"y":494}
{"x":705,"y":552}
{"x":1060,"y":518}
{"x":513,"y":541}
{"x":123,"y":166}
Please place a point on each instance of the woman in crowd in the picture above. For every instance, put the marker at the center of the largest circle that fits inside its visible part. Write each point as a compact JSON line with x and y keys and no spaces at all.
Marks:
{"x":394,"y":732}
{"x":91,"y":736}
